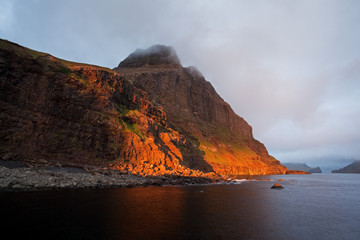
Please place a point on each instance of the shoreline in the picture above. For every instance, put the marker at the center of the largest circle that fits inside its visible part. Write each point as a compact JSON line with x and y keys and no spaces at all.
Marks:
{"x":40,"y":178}
{"x":24,"y":176}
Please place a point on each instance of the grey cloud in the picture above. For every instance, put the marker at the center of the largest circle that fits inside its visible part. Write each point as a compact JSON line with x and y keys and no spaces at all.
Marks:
{"x":290,"y":68}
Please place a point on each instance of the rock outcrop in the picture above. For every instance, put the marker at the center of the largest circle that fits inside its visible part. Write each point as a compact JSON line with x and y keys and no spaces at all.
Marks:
{"x":47,"y":177}
{"x":63,"y":111}
{"x":277,"y":186}
{"x":150,"y":117}
{"x":193,"y":106}
{"x":353,"y":167}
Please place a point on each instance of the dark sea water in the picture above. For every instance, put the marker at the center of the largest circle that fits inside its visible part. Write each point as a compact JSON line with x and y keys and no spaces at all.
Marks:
{"x":317,"y":206}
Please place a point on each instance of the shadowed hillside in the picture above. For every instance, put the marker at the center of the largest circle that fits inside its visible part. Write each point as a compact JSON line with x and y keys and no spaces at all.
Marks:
{"x":150,"y":117}
{"x":194,"y":107}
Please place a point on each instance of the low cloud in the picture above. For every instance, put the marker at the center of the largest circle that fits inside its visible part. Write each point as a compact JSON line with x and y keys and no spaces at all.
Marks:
{"x":6,"y":15}
{"x":290,"y":68}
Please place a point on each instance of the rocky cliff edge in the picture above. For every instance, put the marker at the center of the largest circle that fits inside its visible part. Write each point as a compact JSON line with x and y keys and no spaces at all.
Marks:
{"x":149,"y":117}
{"x":193,"y":106}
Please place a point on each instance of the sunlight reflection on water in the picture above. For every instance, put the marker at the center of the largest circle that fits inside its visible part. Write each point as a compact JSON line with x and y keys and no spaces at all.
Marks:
{"x":310,"y":207}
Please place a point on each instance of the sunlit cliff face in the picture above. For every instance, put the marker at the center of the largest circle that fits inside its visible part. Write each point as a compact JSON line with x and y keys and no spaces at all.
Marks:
{"x":148,"y":120}
{"x":192,"y":104}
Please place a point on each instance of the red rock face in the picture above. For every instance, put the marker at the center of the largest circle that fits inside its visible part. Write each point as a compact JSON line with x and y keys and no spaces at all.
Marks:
{"x":194,"y":107}
{"x":62,"y":111}
{"x":150,"y":122}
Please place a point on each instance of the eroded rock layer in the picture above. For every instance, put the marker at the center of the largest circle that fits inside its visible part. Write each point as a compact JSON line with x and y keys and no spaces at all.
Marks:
{"x":63,"y":111}
{"x":151,"y":117}
{"x":194,"y":107}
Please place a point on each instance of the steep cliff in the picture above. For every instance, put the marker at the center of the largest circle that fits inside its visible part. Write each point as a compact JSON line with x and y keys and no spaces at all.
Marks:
{"x":194,"y":108}
{"x":69,"y":112}
{"x":150,"y":117}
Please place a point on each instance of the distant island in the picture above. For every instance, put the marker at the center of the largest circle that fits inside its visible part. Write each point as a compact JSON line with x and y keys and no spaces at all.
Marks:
{"x":353,"y":167}
{"x":302,"y":167}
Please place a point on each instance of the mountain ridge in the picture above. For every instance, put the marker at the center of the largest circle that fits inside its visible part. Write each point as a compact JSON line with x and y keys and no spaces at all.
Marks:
{"x":193,"y":104}
{"x":65,"y":111}
{"x":353,"y":167}
{"x":302,"y":167}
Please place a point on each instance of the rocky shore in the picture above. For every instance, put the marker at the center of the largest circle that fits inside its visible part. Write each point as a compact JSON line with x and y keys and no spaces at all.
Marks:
{"x":21,"y":177}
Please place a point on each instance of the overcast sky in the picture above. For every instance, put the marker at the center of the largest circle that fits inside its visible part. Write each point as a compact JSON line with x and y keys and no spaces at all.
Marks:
{"x":290,"y":68}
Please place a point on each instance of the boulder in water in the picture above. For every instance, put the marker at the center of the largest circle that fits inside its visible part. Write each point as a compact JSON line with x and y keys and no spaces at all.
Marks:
{"x":277,"y":186}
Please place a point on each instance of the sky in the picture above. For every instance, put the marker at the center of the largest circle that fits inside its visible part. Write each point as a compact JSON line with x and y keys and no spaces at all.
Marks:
{"x":290,"y":68}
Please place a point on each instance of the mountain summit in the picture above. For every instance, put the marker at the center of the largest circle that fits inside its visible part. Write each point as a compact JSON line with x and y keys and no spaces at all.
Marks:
{"x":148,"y":116}
{"x":193,"y":107}
{"x":153,"y":56}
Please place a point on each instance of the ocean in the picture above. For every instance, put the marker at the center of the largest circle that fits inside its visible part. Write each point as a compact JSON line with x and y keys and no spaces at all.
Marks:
{"x":317,"y":206}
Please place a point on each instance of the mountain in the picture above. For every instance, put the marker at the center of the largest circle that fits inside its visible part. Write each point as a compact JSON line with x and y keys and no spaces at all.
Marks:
{"x":149,"y":116}
{"x":195,"y":109}
{"x":315,"y":170}
{"x":302,"y":167}
{"x":353,"y":167}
